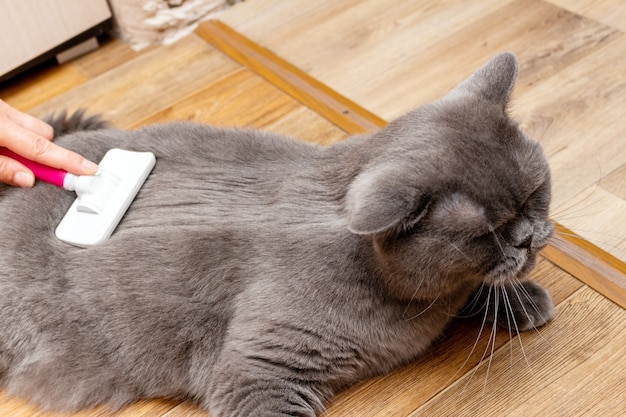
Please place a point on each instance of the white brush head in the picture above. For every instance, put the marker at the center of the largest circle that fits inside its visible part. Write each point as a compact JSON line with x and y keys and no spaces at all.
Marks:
{"x":104,"y":198}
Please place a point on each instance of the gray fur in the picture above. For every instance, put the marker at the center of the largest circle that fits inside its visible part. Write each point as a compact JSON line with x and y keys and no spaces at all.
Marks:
{"x":260,"y":275}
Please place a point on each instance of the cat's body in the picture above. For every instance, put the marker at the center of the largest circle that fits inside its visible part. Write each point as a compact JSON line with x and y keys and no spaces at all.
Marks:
{"x":259,"y":275}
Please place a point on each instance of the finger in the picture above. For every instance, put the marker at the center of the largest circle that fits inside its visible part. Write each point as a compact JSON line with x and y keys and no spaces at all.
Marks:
{"x":31,"y":123}
{"x":27,"y":121}
{"x":51,"y":154}
{"x":14,"y":173}
{"x":37,"y":148}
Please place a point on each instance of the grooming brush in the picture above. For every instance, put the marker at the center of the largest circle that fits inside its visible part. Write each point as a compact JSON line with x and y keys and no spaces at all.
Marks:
{"x":102,"y":199}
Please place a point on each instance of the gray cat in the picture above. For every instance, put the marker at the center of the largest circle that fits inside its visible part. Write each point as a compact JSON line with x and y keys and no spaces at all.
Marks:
{"x":260,"y":275}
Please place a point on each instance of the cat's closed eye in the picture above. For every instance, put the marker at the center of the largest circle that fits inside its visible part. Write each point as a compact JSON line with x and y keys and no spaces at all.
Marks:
{"x":537,"y":204}
{"x":414,"y":222}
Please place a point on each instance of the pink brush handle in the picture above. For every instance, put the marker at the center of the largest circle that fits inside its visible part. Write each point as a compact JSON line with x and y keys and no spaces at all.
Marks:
{"x":45,"y":173}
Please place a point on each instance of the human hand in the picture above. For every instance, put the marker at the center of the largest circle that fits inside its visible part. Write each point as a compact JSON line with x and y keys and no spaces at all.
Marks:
{"x":32,"y":139}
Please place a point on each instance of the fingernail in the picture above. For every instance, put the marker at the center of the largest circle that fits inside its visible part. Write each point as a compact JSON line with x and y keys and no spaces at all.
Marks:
{"x":89,"y":166}
{"x":23,"y":179}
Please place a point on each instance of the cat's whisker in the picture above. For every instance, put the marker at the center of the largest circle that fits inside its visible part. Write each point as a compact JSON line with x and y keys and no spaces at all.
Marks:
{"x":492,"y":338}
{"x":526,"y":295}
{"x":489,"y":340}
{"x":423,"y":311}
{"x":455,"y":247}
{"x":561,"y":233}
{"x":577,"y":204}
{"x":497,"y":239}
{"x":417,"y":288}
{"x":474,"y":346}
{"x":558,"y":244}
{"x":519,"y":337}
{"x":450,"y":308}
{"x":573,"y":208}
{"x":612,"y":247}
{"x":533,"y":305}
{"x":517,"y":332}
{"x":534,"y":378}
{"x":509,"y":313}
{"x":472,"y":304}
{"x":581,"y":213}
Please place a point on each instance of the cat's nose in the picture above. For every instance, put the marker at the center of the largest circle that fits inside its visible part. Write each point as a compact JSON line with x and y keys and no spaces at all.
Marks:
{"x":521,"y":234}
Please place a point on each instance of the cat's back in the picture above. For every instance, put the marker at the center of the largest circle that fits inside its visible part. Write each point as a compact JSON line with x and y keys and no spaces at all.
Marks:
{"x":209,"y":184}
{"x":203,"y":175}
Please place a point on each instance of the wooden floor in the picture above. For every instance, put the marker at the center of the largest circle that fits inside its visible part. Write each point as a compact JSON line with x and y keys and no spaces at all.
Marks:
{"x":388,"y":60}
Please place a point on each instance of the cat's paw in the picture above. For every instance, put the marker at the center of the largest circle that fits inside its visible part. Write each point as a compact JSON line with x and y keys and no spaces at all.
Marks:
{"x":527,"y":305}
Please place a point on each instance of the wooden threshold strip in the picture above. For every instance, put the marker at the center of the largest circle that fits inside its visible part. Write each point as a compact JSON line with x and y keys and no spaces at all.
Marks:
{"x":317,"y":96}
{"x":600,"y":270}
{"x":580,"y":258}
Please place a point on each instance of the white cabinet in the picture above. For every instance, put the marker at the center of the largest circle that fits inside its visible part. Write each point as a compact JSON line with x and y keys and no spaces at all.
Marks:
{"x":29,"y":29}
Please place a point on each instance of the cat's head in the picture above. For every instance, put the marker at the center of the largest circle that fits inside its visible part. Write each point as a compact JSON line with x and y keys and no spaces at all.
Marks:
{"x":459,"y":192}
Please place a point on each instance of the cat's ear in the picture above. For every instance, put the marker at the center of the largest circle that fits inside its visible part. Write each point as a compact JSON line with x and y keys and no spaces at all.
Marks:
{"x":494,"y":80}
{"x":379,"y":199}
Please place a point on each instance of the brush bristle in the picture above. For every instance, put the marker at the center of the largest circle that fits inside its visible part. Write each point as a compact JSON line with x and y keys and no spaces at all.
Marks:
{"x":77,"y":121}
